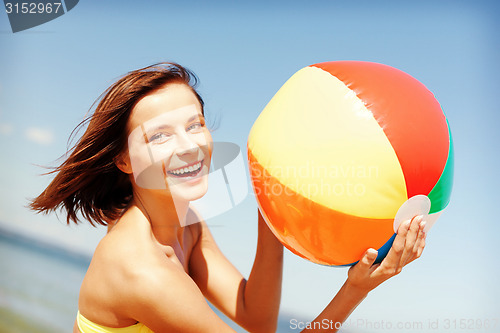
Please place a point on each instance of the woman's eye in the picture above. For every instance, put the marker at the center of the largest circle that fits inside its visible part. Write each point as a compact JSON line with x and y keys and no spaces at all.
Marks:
{"x":195,"y":126}
{"x":159,"y":137}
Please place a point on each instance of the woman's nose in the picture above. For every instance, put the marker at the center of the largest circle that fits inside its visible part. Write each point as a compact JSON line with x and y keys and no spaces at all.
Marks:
{"x":185,"y":144}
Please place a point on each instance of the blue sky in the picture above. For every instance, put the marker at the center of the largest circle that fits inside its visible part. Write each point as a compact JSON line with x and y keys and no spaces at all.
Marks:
{"x":243,"y":52}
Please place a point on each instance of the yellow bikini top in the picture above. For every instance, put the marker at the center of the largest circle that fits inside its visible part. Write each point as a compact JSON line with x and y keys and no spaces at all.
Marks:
{"x":86,"y":326}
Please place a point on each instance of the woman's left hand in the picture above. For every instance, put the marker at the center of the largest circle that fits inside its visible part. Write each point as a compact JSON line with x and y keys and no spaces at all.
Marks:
{"x":407,"y":246}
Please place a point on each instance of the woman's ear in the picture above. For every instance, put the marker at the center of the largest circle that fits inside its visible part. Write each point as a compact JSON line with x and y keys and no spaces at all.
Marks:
{"x":122,"y":162}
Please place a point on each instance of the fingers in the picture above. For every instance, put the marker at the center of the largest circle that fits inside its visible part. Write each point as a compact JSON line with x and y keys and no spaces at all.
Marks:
{"x":364,"y":266}
{"x":366,"y":262}
{"x":402,"y":250}
{"x":406,"y":247}
{"x":368,"y":258}
{"x":411,"y":241}
{"x":419,"y":246}
{"x":391,"y":263}
{"x":422,"y":245}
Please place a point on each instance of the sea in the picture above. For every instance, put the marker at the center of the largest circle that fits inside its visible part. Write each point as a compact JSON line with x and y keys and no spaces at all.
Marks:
{"x":40,"y":283}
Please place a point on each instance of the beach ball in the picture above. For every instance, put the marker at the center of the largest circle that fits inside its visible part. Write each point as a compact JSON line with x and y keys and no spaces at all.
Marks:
{"x":343,"y":153}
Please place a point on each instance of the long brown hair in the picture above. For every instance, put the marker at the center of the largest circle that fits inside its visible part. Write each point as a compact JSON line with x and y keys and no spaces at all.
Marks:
{"x":88,"y":181}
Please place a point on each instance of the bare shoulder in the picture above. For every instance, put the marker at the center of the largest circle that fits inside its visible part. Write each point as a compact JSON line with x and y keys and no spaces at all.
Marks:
{"x":130,"y":280}
{"x":121,"y":261}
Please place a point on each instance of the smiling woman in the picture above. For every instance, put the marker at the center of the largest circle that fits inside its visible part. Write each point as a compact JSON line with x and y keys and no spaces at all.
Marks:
{"x":169,"y":147}
{"x":89,"y":181}
{"x":143,"y":159}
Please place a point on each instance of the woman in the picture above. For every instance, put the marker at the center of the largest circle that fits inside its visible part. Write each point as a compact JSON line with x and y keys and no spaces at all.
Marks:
{"x":143,"y":158}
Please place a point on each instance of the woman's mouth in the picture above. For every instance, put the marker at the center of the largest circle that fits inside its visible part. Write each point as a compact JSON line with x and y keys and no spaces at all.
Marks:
{"x":191,"y":170}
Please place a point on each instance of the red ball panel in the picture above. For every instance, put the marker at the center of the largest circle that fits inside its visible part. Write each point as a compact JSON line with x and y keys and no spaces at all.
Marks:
{"x":407,"y":112}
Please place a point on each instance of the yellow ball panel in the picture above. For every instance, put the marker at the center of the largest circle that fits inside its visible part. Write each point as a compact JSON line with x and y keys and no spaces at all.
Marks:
{"x":318,"y":138}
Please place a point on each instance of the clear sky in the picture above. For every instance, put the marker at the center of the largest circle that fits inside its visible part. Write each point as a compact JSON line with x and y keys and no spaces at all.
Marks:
{"x":243,"y":52}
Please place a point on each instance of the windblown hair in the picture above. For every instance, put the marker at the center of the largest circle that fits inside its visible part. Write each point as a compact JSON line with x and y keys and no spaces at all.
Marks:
{"x":88,"y":181}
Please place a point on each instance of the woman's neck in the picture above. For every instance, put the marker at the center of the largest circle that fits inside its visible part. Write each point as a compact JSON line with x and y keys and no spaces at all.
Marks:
{"x":166,"y":215}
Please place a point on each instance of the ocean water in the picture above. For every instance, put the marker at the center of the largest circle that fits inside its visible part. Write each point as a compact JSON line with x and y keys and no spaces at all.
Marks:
{"x":39,"y":286}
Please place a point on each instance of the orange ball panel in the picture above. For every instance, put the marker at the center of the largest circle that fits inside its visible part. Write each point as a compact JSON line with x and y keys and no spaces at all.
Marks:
{"x":307,"y":234}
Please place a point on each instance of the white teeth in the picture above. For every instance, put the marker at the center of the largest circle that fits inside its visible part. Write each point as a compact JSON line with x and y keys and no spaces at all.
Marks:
{"x":191,"y":168}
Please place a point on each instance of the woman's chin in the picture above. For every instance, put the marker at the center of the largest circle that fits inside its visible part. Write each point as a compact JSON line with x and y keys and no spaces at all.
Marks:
{"x":189,"y":191}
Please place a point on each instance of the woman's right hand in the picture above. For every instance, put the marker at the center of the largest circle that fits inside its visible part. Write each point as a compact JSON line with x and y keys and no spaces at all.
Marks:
{"x":407,"y":246}
{"x":364,"y":276}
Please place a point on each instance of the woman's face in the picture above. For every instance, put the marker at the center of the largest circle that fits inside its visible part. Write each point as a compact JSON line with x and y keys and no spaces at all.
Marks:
{"x":169,"y":145}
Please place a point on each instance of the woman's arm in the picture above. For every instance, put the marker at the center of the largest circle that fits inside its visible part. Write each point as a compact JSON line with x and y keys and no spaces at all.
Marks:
{"x":252,"y":303}
{"x":165,"y":299}
{"x":364,"y":276}
{"x":263,"y":289}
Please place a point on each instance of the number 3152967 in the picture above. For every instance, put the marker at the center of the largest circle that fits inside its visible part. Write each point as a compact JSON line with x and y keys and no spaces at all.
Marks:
{"x":33,"y":8}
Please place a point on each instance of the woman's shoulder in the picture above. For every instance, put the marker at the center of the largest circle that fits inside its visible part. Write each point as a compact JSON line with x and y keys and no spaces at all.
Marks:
{"x":129,"y":247}
{"x":122,"y":249}
{"x":124,"y":269}
{"x":121,"y":261}
{"x":126,"y":248}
